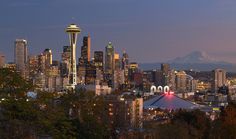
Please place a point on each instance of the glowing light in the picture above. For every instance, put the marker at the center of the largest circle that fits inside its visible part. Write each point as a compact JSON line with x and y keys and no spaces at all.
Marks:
{"x":169,"y":93}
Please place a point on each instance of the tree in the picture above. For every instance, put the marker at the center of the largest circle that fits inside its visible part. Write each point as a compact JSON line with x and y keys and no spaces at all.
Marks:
{"x":12,"y":83}
{"x":225,"y":126}
{"x":17,"y":118}
{"x":197,"y":121}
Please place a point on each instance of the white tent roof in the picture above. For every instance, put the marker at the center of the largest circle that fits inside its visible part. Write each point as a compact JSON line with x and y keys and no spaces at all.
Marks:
{"x":169,"y":101}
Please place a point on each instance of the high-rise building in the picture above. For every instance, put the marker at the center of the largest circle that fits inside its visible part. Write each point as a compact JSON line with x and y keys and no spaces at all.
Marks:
{"x":33,"y":66}
{"x":109,"y":59}
{"x":181,"y":82}
{"x":66,"y":49}
{"x":133,"y":68}
{"x":65,"y":63}
{"x":85,"y":49}
{"x":2,"y":60}
{"x":98,"y":60}
{"x":116,"y":61}
{"x":41,"y":63}
{"x":73,"y":31}
{"x":125,"y":66}
{"x":40,"y":81}
{"x":219,"y":79}
{"x":53,"y":79}
{"x":109,"y":63}
{"x":21,"y":56}
{"x":123,"y":111}
{"x":165,"y":68}
{"x":118,"y":78}
{"x":48,"y":58}
{"x":157,"y":77}
{"x":125,"y":60}
{"x":172,"y":83}
{"x":90,"y":74}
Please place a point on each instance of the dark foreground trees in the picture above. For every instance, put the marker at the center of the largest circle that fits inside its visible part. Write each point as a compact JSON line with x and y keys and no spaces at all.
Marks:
{"x":184,"y":125}
{"x":12,"y":83}
{"x":196,"y":125}
{"x":47,"y":115}
{"x":225,"y":126}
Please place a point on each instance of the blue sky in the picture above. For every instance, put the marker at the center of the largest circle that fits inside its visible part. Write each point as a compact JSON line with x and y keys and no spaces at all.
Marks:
{"x":149,"y":30}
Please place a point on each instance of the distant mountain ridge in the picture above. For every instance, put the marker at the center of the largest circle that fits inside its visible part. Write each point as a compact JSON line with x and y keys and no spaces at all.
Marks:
{"x":197,"y":60}
{"x":195,"y":57}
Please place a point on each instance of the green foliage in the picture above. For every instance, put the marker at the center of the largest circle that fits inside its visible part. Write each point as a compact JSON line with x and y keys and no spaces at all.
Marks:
{"x":12,"y":83}
{"x":48,"y":115}
{"x":72,"y":115}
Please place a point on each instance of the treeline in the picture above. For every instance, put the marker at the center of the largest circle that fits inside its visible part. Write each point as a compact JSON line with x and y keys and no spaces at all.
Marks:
{"x":197,"y":125}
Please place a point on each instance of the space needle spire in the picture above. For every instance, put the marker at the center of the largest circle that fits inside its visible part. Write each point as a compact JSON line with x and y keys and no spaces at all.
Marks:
{"x":73,"y":31}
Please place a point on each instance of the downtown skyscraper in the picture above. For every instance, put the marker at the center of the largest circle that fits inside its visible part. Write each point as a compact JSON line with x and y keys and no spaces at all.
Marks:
{"x":109,"y":63}
{"x":48,"y":57}
{"x":85,"y":49}
{"x":21,"y":56}
{"x":98,"y":60}
{"x":219,"y":79}
{"x":109,"y":58}
{"x":125,"y":66}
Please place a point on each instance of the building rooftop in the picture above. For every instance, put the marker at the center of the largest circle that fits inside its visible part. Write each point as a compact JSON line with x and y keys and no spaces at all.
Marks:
{"x":169,"y":101}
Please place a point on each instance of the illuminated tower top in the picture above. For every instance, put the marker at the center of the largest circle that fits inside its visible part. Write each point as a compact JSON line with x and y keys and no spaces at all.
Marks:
{"x":73,"y":28}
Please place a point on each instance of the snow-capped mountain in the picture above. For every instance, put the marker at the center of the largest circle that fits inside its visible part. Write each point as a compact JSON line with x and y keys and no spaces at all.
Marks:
{"x":195,"y":57}
{"x":196,"y":60}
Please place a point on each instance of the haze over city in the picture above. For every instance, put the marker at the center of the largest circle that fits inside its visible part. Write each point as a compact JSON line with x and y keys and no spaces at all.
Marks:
{"x":152,"y":29}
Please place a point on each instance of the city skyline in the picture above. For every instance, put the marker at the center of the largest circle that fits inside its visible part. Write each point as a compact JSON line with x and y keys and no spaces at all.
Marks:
{"x":160,"y":26}
{"x":118,"y":69}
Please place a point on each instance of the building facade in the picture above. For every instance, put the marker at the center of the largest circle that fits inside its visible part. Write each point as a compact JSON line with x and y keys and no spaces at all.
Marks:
{"x":109,"y":63}
{"x":98,"y":60}
{"x":85,"y":49}
{"x":219,"y":79}
{"x":21,"y":56}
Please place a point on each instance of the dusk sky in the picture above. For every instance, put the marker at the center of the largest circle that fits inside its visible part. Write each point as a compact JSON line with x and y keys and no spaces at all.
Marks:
{"x":149,"y":30}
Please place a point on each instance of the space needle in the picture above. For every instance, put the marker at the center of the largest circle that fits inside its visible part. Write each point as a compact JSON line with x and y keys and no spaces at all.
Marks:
{"x":73,"y":31}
